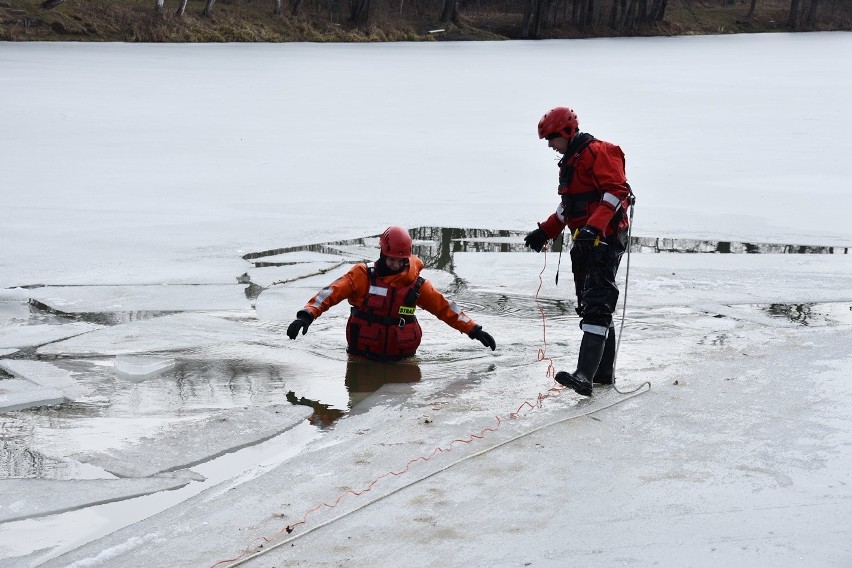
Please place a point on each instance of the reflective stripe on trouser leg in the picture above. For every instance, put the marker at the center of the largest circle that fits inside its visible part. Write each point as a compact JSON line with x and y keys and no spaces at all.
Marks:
{"x":596,"y":329}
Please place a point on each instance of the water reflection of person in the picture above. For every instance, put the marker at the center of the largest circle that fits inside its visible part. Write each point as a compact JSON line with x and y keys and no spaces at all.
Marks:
{"x":363,"y":378}
{"x":382,"y":325}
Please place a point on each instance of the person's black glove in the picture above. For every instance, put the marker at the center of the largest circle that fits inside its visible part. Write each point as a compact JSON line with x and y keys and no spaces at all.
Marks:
{"x":484,"y":337}
{"x":536,"y":239}
{"x":302,"y":321}
{"x":587,"y":235}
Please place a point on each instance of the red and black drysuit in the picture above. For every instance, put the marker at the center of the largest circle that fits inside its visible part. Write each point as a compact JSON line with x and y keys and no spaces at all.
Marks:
{"x":382,"y":324}
{"x":594,"y":192}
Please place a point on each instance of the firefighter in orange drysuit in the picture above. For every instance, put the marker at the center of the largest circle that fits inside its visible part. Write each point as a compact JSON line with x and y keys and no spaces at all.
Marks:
{"x":382,"y":325}
{"x":594,"y":197}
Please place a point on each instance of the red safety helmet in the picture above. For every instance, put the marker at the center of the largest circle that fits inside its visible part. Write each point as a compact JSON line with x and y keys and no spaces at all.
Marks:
{"x":395,"y":243}
{"x":560,"y":120}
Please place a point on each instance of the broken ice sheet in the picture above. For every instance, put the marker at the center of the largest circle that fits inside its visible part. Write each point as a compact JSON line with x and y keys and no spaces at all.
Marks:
{"x":189,"y":441}
{"x":29,"y":498}
{"x":167,"y":333}
{"x":18,"y":394}
{"x":138,"y":367}
{"x":44,"y":374}
{"x":18,"y":334}
{"x":163,"y":298}
{"x":268,"y":275}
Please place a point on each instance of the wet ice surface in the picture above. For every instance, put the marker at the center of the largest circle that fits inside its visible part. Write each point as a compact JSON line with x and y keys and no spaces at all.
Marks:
{"x":29,"y":498}
{"x":163,"y":395}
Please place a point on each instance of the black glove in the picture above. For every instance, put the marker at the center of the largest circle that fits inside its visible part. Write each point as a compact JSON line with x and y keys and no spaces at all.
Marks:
{"x":587,"y":235}
{"x":483,"y":337}
{"x":302,"y":321}
{"x":536,"y":239}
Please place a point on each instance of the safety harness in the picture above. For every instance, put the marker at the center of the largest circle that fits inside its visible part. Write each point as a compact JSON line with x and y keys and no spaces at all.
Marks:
{"x":378,"y":328}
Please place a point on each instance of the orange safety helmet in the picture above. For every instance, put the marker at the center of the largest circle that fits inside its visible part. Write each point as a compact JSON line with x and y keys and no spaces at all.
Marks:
{"x":560,"y":120}
{"x":395,"y":243}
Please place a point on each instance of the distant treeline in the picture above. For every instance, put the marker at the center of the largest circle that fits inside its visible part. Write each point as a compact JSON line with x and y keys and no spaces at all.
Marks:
{"x":526,"y":19}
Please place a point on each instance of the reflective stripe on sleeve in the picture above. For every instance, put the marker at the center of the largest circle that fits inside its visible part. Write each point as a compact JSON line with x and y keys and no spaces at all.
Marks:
{"x":612,"y":200}
{"x":456,"y":310}
{"x":323,"y":294}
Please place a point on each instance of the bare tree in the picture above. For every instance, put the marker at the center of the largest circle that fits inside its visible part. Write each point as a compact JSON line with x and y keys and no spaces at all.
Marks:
{"x":450,"y":11}
{"x":534,"y":14}
{"x":359,"y":11}
{"x":295,"y":5}
{"x":793,"y":17}
{"x":613,"y":19}
{"x":181,"y":8}
{"x":208,"y":8}
{"x":628,"y":18}
{"x":159,"y":6}
{"x":751,"y":10}
{"x":658,"y":10}
{"x":277,"y":10}
{"x":810,"y":19}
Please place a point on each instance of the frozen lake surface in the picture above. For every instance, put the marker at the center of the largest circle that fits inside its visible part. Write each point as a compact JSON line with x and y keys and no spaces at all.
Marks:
{"x":153,"y":411}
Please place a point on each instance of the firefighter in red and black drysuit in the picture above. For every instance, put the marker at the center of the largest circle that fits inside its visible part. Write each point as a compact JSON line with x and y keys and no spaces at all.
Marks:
{"x":594,"y":195}
{"x":382,"y":324}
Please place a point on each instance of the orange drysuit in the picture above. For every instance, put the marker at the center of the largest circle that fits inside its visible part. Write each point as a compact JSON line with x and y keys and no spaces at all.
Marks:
{"x":379,"y":327}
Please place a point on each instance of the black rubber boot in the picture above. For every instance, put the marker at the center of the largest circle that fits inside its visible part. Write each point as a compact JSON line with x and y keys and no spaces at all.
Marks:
{"x":591,"y":351}
{"x":606,"y":372}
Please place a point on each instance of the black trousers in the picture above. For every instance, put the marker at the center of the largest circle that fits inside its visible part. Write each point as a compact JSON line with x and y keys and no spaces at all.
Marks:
{"x":595,"y":269}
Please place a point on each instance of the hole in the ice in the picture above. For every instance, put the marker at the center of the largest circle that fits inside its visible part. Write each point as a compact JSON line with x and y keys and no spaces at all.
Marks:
{"x":435,"y":246}
{"x":797,"y":313}
{"x":828,"y":313}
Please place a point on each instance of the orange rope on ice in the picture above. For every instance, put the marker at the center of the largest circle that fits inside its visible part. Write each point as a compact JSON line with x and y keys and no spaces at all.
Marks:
{"x":258,"y":541}
{"x":542,"y":352}
{"x":247,"y":555}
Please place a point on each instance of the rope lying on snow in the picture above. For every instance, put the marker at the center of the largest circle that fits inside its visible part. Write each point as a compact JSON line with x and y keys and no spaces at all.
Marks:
{"x":241,"y":559}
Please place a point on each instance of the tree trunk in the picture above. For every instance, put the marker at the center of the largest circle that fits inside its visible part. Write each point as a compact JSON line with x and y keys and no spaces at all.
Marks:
{"x":660,"y":14}
{"x":159,"y":6}
{"x":50,"y":4}
{"x":449,"y":11}
{"x":208,"y":8}
{"x":810,"y":19}
{"x":627,"y":16}
{"x":181,"y":8}
{"x":540,"y":15}
{"x":793,"y":17}
{"x":359,"y":11}
{"x":553,"y":18}
{"x":529,"y":6}
{"x":613,"y":14}
{"x":751,"y":10}
{"x":589,"y":13}
{"x":277,"y":9}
